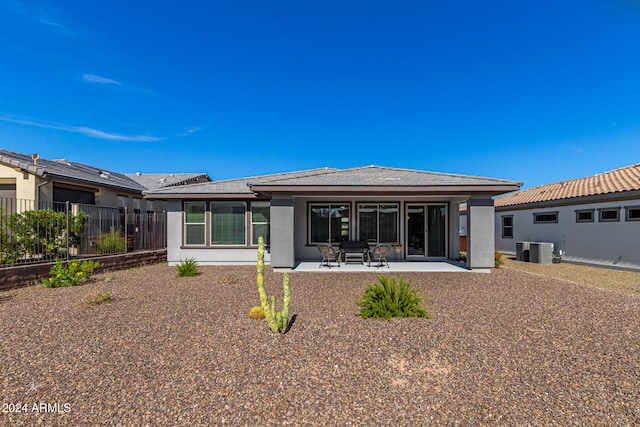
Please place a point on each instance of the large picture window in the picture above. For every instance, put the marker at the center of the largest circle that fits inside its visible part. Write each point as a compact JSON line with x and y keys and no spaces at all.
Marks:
{"x":378,"y":223}
{"x":260,"y":218}
{"x":328,"y":223}
{"x":194,"y":220}
{"x":228,"y":223}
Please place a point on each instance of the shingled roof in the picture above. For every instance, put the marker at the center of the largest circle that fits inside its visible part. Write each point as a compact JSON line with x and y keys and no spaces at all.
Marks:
{"x":617,"y":181}
{"x":66,"y":170}
{"x":153,"y":181}
{"x":368,"y":178}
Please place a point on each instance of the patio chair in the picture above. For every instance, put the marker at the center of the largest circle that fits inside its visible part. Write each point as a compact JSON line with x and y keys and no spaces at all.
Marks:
{"x":379,"y":254}
{"x":329,"y":254}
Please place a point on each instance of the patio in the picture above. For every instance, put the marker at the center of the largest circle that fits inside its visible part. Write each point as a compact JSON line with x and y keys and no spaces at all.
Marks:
{"x":394,"y":267}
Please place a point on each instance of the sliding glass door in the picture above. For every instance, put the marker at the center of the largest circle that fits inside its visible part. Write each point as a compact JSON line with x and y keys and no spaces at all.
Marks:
{"x":426,"y":231}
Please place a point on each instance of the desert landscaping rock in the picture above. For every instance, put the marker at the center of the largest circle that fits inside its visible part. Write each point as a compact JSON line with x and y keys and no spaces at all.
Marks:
{"x":506,"y":348}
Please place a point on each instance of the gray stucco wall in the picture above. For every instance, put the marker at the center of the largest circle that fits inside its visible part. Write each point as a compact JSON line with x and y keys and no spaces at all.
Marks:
{"x":614,"y":244}
{"x":480,"y":233}
{"x":282,"y":232}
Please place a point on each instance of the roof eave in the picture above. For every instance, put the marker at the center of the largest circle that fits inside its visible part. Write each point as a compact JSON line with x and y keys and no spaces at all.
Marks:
{"x":397,"y":190}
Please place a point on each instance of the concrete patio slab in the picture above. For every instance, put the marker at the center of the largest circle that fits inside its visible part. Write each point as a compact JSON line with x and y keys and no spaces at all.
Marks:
{"x":404,"y":267}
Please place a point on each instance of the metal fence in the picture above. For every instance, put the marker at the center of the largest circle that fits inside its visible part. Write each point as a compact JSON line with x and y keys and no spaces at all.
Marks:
{"x":32,"y":232}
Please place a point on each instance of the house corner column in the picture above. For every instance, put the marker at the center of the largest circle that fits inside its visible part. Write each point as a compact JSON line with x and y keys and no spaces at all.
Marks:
{"x":480,"y":232}
{"x":283,"y":254}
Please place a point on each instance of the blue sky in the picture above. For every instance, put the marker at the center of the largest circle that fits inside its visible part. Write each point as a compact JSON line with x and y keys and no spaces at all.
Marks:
{"x":531,"y":91}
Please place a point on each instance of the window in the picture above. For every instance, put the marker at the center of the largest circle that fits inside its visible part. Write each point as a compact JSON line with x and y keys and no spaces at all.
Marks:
{"x":260,"y":218}
{"x":328,"y":223}
{"x":609,"y":214}
{"x":545,"y":218}
{"x":228,"y":223}
{"x":633,"y":213}
{"x":136,"y":206}
{"x":194,"y":221}
{"x":507,"y":227}
{"x":378,"y":223}
{"x":149,"y":207}
{"x":122,"y":203}
{"x":584,"y":215}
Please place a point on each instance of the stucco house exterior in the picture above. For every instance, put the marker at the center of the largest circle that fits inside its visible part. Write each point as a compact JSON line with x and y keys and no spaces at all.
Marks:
{"x":219,"y":222}
{"x":593,"y":220}
{"x":32,"y":178}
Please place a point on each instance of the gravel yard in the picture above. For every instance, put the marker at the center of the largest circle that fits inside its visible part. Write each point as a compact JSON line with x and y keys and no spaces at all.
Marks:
{"x":506,"y":348}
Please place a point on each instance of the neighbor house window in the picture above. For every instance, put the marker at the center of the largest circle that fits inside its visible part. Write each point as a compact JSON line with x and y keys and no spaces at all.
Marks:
{"x":122,"y":204}
{"x":545,"y":217}
{"x":609,"y":214}
{"x":194,"y":223}
{"x":136,"y":206}
{"x":633,"y":213}
{"x":584,"y":215}
{"x":328,"y":223}
{"x":149,"y":207}
{"x":378,"y":223}
{"x":260,"y":218}
{"x":228,"y":223}
{"x":507,"y":227}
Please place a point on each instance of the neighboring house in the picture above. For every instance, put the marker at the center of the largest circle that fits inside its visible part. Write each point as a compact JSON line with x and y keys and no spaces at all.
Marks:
{"x":154,"y":181}
{"x":31,"y":178}
{"x":219,"y":222}
{"x":594,"y":220}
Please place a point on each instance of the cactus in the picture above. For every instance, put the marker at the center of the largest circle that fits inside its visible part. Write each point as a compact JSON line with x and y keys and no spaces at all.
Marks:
{"x":256,"y":313}
{"x":277,"y":321}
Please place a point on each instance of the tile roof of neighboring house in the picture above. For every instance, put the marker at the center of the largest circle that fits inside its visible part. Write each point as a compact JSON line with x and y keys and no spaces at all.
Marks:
{"x":369,"y":176}
{"x":153,"y":181}
{"x":615,"y":181}
{"x":65,"y":170}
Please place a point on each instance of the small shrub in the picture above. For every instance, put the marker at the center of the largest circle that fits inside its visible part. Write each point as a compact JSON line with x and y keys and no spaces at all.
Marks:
{"x":256,"y":313}
{"x":463,"y":256}
{"x":111,"y":242}
{"x":230,"y":280}
{"x":187,"y":268}
{"x":69,"y":274}
{"x":391,"y":299}
{"x":103,"y":298}
{"x":498,"y":260}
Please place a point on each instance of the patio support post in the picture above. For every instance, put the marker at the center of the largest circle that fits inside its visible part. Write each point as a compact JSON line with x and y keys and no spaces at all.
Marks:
{"x":282,"y":245}
{"x":480,"y":232}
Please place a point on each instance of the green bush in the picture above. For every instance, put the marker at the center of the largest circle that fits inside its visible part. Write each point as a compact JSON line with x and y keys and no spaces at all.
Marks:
{"x":44,"y":232}
{"x":103,"y":298}
{"x":389,"y":299}
{"x":187,"y":268}
{"x":111,"y":242}
{"x":498,"y":260}
{"x":69,"y":274}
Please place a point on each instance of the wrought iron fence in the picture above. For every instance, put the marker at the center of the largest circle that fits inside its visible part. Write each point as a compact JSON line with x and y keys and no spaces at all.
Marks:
{"x":33,"y":232}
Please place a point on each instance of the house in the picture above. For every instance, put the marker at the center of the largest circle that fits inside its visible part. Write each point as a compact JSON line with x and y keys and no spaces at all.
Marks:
{"x":219,"y":222}
{"x":594,"y":220}
{"x":32,"y":178}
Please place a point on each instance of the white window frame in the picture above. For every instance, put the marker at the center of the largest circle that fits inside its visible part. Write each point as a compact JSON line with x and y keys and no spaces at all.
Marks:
{"x":268,"y":222}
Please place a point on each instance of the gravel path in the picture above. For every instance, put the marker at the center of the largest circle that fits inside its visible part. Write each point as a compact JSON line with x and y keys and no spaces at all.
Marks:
{"x":506,"y":348}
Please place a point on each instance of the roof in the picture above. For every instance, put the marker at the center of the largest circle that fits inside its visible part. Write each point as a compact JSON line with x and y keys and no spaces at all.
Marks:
{"x":66,"y":170}
{"x":617,"y":181}
{"x":153,"y":181}
{"x":368,"y":178}
{"x":237,"y":186}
